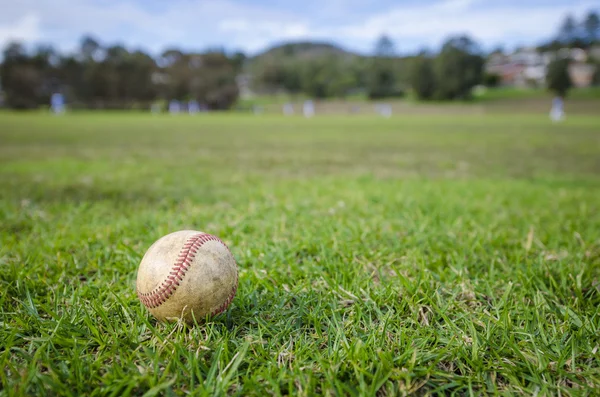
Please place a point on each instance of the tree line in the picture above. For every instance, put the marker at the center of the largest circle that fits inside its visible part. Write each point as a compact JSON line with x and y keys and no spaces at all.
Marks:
{"x":114,"y":77}
{"x":573,"y":33}
{"x":450,"y":74}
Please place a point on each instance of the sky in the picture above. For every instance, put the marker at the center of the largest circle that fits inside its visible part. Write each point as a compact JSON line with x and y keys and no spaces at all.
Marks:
{"x":254,"y":25}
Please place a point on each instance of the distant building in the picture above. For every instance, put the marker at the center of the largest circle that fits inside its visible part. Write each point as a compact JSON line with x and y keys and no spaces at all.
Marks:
{"x":528,"y":67}
{"x":582,"y":74}
{"x":508,"y":73}
{"x":522,"y":68}
{"x":575,"y":54}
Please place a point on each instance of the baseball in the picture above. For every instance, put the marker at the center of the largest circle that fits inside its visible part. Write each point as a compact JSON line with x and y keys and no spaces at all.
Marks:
{"x":185,"y":275}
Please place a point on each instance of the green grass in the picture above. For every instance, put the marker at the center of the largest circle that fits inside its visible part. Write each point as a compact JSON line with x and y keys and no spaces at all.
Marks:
{"x":415,"y":255}
{"x":489,"y":95}
{"x":516,"y":93}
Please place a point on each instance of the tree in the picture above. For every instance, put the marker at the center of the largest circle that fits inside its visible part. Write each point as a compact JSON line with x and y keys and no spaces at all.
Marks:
{"x":568,"y":30}
{"x":499,"y":50}
{"x":553,"y":46}
{"x":558,"y":78}
{"x":271,"y":75}
{"x":89,"y":48}
{"x":340,"y":84}
{"x":381,"y":76}
{"x":174,"y":71}
{"x":46,"y":55}
{"x":596,"y":76}
{"x":14,"y":52}
{"x":70,"y":75}
{"x":117,"y":71}
{"x":422,"y":77}
{"x":491,"y":79}
{"x":96,"y":85}
{"x":359,"y":70}
{"x":316,"y":77}
{"x":45,"y":60}
{"x":384,"y":47}
{"x":170,"y":57}
{"x":381,"y":82}
{"x":458,"y":68}
{"x":212,"y":79}
{"x":340,"y":77}
{"x":21,"y":78}
{"x":238,"y":59}
{"x":592,"y":27}
{"x":292,"y":78}
{"x":140,"y":69}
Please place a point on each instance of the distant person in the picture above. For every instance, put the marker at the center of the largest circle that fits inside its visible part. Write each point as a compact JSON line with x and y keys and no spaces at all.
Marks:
{"x":386,"y":111}
{"x":57,"y":103}
{"x":193,"y":107}
{"x":174,"y":106}
{"x":309,"y":108}
{"x":557,"y":111}
{"x":288,"y":109}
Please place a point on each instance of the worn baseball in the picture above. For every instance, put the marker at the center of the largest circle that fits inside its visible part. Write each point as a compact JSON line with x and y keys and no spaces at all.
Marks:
{"x":185,"y":275}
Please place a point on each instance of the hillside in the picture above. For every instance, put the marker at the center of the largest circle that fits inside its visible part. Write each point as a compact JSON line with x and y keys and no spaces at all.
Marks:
{"x":302,"y":50}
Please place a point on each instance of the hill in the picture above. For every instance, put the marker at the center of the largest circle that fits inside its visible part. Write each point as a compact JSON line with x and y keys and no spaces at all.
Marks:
{"x":303,"y":50}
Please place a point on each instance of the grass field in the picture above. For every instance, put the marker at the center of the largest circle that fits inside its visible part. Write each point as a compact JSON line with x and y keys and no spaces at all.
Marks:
{"x":514,"y":93}
{"x":414,"y":255}
{"x":508,"y":95}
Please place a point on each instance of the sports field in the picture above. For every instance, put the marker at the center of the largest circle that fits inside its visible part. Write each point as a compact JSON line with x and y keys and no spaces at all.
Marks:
{"x":414,"y":255}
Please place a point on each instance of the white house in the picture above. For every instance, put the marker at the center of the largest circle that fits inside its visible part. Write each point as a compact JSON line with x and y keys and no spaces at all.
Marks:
{"x":527,"y":67}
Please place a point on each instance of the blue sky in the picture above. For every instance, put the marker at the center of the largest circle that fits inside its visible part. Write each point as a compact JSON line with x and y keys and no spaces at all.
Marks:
{"x":252,"y":26}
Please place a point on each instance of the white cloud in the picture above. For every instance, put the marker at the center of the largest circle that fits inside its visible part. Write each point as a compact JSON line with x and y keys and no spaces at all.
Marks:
{"x":456,"y":5}
{"x":258,"y":35}
{"x":428,"y":24}
{"x":250,"y":26}
{"x":26,"y":28}
{"x":490,"y":24}
{"x":182,"y":23}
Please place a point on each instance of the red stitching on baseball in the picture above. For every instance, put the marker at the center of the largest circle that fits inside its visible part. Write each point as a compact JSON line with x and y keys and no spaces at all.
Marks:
{"x":160,"y":294}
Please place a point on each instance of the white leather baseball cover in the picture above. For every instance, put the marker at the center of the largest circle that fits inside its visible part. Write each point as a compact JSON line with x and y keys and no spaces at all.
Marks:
{"x":187,"y":274}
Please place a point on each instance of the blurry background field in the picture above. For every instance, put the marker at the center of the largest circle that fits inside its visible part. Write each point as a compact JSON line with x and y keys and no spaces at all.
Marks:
{"x":402,"y":255}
